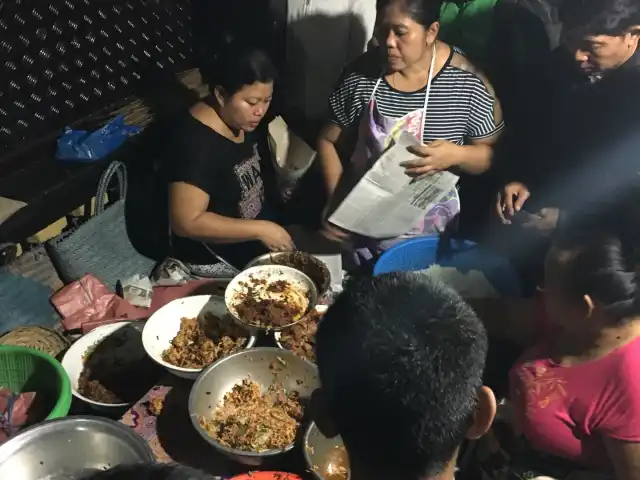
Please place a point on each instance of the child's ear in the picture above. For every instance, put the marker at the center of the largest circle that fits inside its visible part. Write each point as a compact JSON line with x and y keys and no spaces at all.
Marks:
{"x":484,"y":414}
{"x":320,"y":414}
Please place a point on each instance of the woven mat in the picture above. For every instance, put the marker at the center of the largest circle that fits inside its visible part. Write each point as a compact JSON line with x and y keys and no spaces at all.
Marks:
{"x":25,"y":288}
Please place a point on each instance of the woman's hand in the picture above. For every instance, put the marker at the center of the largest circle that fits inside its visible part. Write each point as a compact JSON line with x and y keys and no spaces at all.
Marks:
{"x":433,"y":158}
{"x":330,"y":231}
{"x":274,"y":237}
{"x":335,"y":234}
{"x":510,"y":200}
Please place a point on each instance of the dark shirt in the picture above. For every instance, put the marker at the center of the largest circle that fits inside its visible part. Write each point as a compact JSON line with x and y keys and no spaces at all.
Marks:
{"x":580,"y":148}
{"x":230,"y":173}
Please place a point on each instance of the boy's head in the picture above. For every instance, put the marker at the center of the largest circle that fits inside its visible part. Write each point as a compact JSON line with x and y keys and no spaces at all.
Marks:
{"x":401,"y":359}
{"x":151,"y":472}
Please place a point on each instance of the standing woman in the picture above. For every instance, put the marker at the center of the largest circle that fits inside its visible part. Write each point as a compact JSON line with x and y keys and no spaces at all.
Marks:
{"x":215,"y":174}
{"x":418,"y":84}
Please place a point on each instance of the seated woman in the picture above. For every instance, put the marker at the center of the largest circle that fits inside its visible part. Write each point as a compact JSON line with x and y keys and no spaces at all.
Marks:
{"x":216,"y":187}
{"x":575,"y":392}
{"x":424,"y":87}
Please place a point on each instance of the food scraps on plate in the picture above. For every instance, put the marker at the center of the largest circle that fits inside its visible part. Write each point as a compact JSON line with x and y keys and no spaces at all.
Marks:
{"x":200,"y":342}
{"x":116,"y":369}
{"x":301,"y":337}
{"x":269,"y":303}
{"x":251,"y":421}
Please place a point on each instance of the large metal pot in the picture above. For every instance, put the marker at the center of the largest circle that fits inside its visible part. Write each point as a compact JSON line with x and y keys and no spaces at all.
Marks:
{"x":71,"y":448}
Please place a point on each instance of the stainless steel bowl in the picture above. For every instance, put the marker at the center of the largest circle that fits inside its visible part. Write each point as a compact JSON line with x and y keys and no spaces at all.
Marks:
{"x":312,"y":267}
{"x":255,"y":364}
{"x":323,"y":455}
{"x":71,"y":448}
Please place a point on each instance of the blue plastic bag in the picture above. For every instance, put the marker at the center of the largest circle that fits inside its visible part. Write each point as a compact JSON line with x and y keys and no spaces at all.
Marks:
{"x":83,"y":146}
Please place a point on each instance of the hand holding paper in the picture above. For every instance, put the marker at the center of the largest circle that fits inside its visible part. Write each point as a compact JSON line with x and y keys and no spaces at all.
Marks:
{"x":387,"y":202}
{"x":439,"y":155}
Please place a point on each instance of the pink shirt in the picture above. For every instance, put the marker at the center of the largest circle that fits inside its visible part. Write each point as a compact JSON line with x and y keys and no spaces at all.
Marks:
{"x":566,"y":411}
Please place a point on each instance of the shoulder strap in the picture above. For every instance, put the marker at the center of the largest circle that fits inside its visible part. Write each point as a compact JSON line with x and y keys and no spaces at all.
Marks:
{"x":120,"y":171}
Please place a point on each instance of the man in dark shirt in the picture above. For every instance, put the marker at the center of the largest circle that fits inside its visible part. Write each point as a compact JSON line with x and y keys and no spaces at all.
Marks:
{"x":577,"y":152}
{"x":581,"y":147}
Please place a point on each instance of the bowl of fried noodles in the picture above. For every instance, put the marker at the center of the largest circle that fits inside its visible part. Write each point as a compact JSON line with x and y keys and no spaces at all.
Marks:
{"x":270,"y":297}
{"x":189,"y":334}
{"x":250,"y":405}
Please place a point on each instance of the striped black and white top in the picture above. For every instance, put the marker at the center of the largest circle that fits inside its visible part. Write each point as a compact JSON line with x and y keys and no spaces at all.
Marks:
{"x":461,"y":107}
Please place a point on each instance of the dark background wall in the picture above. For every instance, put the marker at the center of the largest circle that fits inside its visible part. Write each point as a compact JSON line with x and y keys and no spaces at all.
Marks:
{"x":61,"y":60}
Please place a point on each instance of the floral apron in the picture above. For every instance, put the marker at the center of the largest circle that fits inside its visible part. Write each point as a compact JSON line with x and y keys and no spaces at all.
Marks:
{"x":375,"y":134}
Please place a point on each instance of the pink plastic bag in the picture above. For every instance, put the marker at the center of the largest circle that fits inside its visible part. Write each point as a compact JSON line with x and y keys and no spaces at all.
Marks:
{"x":88,"y":301}
{"x":14,"y":412}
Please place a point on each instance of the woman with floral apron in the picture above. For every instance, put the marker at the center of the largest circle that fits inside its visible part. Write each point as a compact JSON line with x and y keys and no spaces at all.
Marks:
{"x":453,"y":112}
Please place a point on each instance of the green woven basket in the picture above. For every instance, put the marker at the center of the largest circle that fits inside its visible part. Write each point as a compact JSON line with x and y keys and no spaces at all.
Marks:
{"x":25,"y":369}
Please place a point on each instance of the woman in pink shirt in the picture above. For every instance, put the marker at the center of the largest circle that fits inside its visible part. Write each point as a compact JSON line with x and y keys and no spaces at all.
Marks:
{"x":576,"y":392}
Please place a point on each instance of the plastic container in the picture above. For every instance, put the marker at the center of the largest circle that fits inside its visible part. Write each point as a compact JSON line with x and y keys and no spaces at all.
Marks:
{"x":25,"y":369}
{"x":464,"y":255}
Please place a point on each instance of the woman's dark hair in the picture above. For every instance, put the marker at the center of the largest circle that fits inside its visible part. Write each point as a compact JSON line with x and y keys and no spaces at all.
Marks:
{"x":424,"y":12}
{"x":237,"y":65}
{"x":151,"y":472}
{"x":581,"y":18}
{"x":601,"y":265}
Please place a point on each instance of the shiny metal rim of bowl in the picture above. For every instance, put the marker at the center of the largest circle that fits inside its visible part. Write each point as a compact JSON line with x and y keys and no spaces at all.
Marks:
{"x":271,"y":258}
{"x":305,"y":452}
{"x":195,"y":389}
{"x":30,"y":434}
{"x":307,"y":458}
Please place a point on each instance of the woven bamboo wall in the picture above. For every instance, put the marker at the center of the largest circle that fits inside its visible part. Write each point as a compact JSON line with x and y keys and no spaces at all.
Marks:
{"x":61,"y":60}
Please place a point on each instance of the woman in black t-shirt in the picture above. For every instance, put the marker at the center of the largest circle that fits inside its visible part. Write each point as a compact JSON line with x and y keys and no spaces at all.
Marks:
{"x":216,"y":189}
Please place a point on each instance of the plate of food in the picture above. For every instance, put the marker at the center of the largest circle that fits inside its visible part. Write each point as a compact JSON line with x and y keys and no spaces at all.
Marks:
{"x":251,"y":405}
{"x":191,"y":333}
{"x":108,"y":367}
{"x":301,"y":338}
{"x":270,"y":297}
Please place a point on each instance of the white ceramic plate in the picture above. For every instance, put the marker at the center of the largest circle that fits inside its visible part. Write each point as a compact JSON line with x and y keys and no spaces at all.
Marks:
{"x":164,"y":325}
{"x":129,"y":351}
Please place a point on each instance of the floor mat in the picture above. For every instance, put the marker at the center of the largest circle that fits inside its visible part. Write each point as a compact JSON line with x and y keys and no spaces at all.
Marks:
{"x":25,"y":288}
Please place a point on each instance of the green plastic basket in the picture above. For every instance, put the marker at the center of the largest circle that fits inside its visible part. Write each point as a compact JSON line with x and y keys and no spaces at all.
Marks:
{"x":25,"y":369}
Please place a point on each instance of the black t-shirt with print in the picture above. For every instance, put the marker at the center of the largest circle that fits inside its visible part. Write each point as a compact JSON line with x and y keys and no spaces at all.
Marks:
{"x":230,"y":173}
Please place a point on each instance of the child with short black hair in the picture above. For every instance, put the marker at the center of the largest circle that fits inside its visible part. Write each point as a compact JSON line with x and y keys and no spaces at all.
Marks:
{"x":401,"y":359}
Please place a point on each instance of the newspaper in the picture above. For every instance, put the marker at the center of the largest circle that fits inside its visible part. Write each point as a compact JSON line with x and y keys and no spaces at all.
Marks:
{"x":386,"y":203}
{"x":137,"y":290}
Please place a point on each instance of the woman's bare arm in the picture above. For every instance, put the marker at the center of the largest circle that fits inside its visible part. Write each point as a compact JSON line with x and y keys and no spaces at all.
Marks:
{"x":477,"y":157}
{"x":330,"y":162}
{"x":189,"y":218}
{"x":625,"y":457}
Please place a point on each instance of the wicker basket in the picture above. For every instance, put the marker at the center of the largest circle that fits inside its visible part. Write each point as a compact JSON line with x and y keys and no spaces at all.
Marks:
{"x":40,"y":338}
